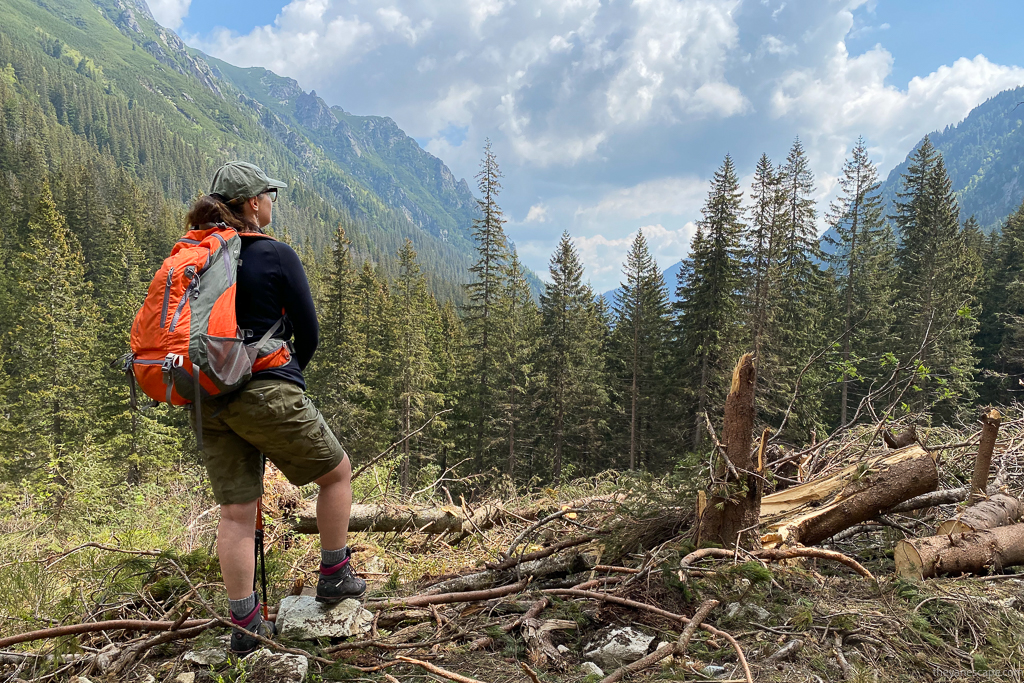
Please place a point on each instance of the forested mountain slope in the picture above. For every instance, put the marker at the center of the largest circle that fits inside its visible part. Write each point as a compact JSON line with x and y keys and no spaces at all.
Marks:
{"x":107,"y":73}
{"x":983,"y":155}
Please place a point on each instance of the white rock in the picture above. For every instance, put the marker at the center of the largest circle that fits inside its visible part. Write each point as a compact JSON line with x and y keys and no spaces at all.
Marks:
{"x":187,"y":677}
{"x":281,"y":668}
{"x":303,"y":618}
{"x":107,"y":657}
{"x":147,"y":679}
{"x":562,"y":649}
{"x":79,"y":679}
{"x":618,"y":646}
{"x":751,"y":612}
{"x":591,"y":669}
{"x":711,"y":670}
{"x":214,"y":657}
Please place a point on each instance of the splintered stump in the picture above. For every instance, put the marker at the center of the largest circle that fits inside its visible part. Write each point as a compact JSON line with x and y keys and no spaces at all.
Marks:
{"x":999,"y":510}
{"x":954,"y":554}
{"x":812,"y":512}
{"x":989,"y":431}
{"x":731,"y":515}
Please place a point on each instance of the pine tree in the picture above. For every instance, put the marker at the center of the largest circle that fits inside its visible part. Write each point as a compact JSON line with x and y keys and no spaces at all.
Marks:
{"x":53,"y":343}
{"x":936,"y":303}
{"x":483,"y":294}
{"x":415,"y":367}
{"x":642,"y":328}
{"x":709,"y":299}
{"x":1000,"y":336}
{"x":764,"y":247}
{"x":572,"y":395}
{"x":517,"y":320}
{"x":798,"y":332}
{"x":861,"y":268}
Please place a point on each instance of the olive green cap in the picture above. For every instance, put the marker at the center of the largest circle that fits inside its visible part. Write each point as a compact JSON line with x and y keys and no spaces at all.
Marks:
{"x":240,"y":179}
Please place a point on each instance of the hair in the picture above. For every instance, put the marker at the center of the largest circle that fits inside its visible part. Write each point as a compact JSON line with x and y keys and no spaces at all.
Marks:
{"x":212,"y":208}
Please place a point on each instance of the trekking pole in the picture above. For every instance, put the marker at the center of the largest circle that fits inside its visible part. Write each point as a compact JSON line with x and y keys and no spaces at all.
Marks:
{"x":261,"y":559}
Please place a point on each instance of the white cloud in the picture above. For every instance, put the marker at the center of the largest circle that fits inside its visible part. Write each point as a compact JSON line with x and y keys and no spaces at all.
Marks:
{"x":538,"y":213}
{"x":169,"y":13}
{"x":664,"y":196}
{"x":604,"y":257}
{"x":849,"y":96}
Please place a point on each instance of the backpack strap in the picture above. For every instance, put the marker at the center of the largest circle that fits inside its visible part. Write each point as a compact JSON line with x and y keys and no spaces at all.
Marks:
{"x":268,"y":334}
{"x":198,"y":405}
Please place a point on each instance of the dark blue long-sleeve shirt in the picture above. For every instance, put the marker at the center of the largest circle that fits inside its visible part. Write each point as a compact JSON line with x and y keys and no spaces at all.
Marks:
{"x":272,"y":283}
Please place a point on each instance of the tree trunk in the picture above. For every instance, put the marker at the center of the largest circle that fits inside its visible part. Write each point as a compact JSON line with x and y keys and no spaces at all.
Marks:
{"x":812,"y":512}
{"x":999,"y":510}
{"x":732,"y":515}
{"x":972,"y":553}
{"x":989,"y":430}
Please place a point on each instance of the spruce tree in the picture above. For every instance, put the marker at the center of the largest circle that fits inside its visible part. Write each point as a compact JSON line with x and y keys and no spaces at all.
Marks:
{"x":861,"y":268}
{"x":572,"y":396}
{"x":415,"y":367}
{"x":936,"y":302}
{"x":709,"y":302}
{"x":1000,"y":337}
{"x":517,"y":325}
{"x":53,"y":343}
{"x":483,"y":293}
{"x":642,"y":328}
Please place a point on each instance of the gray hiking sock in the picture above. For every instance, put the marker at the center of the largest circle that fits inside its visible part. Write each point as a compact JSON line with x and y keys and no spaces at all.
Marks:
{"x":240,"y":609}
{"x":329,"y":558}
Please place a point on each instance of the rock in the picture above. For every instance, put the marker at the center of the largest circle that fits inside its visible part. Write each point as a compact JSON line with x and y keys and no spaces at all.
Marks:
{"x":591,"y":669}
{"x":620,"y":645}
{"x":148,"y":678}
{"x":711,"y":671}
{"x":562,"y":649}
{"x":79,"y":679}
{"x":303,"y":618}
{"x":186,"y":677}
{"x":788,"y":650}
{"x":107,"y":657}
{"x":281,"y":668}
{"x":750,"y":612}
{"x":214,"y":657}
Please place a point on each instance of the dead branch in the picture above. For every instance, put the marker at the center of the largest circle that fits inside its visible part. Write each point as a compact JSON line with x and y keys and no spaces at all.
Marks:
{"x":529,"y":672}
{"x":777,"y":554}
{"x":539,"y":554}
{"x":134,"y":651}
{"x":677,"y":649}
{"x":989,"y":431}
{"x":444,"y":673}
{"x":377,"y":458}
{"x":115,"y":625}
{"x":449,"y":598}
{"x":532,"y":613}
{"x":594,"y":595}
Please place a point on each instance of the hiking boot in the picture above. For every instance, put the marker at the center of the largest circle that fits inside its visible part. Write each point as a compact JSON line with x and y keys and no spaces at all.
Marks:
{"x":242,"y":642}
{"x":338,"y":583}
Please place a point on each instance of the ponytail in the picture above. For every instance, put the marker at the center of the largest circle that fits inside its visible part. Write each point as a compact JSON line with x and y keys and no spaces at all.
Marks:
{"x":212,"y":208}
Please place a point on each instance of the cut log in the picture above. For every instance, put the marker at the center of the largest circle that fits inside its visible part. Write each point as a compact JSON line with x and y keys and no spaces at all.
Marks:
{"x":998,"y":510}
{"x":810,"y":513}
{"x":570,"y":563}
{"x":731,"y":515}
{"x":989,"y":431}
{"x":955,"y":554}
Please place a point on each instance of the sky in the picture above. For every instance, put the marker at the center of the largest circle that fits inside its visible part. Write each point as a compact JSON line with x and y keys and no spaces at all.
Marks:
{"x":610,"y":116}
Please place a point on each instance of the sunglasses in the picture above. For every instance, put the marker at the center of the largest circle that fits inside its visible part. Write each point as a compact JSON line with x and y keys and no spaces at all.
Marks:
{"x":272,"y":192}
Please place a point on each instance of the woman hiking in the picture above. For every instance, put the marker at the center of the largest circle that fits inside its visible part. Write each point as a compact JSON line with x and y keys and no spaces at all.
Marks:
{"x":271,"y":415}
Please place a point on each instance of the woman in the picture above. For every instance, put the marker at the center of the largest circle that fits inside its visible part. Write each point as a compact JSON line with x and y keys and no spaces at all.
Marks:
{"x":271,"y":415}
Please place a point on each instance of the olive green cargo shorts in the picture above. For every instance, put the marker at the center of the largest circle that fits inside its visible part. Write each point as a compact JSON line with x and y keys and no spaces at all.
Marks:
{"x":272,"y":417}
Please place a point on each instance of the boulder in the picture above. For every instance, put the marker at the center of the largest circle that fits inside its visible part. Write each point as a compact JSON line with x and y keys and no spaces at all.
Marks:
{"x":214,"y":656}
{"x":620,"y":645}
{"x":264,"y":665}
{"x":303,"y":618}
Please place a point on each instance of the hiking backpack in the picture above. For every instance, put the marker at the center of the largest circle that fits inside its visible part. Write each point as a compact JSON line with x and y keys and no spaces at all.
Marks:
{"x":185,"y":342}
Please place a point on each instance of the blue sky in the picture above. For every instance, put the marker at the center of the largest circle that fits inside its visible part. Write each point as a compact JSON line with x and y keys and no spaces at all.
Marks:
{"x":609,"y":116}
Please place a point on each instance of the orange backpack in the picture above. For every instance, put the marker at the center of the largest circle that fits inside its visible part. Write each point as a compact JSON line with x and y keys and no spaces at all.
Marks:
{"x":185,"y":342}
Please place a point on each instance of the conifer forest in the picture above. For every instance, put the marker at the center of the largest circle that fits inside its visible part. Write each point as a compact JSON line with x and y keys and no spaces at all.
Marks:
{"x":800,"y":460}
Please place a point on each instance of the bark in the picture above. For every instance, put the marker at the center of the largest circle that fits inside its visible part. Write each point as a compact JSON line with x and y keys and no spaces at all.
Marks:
{"x":810,"y":513}
{"x":999,"y":510}
{"x":951,"y":555}
{"x":732,"y":517}
{"x":117,"y":625}
{"x":989,"y":430}
{"x":434,"y":519}
{"x":563,"y":565}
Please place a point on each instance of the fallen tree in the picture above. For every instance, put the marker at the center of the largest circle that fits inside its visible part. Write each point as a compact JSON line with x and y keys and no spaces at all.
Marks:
{"x":973,"y":552}
{"x":996,"y":511}
{"x":810,"y":513}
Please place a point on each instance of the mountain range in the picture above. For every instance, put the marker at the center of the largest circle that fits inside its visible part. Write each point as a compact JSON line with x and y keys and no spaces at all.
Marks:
{"x":364,"y":169}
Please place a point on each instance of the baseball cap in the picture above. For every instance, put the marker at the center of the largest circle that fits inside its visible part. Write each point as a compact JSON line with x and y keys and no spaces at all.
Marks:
{"x":237,"y":179}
